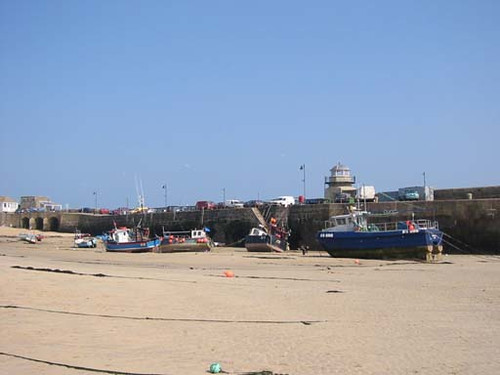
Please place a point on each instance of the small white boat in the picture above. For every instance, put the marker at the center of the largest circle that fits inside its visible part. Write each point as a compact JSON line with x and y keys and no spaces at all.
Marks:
{"x":30,"y":237}
{"x":84,"y":240}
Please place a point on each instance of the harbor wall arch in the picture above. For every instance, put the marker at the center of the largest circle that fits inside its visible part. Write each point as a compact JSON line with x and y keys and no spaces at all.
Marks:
{"x":39,"y":223}
{"x":25,"y":223}
{"x":53,"y":224}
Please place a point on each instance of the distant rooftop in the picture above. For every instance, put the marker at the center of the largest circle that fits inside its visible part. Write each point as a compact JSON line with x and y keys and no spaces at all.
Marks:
{"x":6,"y":199}
{"x":340,"y":170}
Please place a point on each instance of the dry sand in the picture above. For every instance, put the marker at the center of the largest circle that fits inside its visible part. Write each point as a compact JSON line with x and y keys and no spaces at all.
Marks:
{"x":288,"y":314}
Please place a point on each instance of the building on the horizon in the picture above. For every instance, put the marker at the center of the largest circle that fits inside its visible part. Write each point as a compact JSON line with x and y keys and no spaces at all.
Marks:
{"x":340,"y":182}
{"x":38,"y":203}
{"x":8,"y":204}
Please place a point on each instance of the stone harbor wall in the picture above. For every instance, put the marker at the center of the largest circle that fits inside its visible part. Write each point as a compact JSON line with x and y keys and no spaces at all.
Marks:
{"x":470,"y":225}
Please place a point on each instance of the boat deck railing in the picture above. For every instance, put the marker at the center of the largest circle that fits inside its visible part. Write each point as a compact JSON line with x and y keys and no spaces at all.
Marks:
{"x":405,"y":225}
{"x":427,"y":224}
{"x":393,"y":225}
{"x":178,"y":233}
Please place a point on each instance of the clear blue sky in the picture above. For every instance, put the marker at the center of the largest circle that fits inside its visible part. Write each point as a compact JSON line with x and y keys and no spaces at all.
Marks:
{"x":236,"y":95}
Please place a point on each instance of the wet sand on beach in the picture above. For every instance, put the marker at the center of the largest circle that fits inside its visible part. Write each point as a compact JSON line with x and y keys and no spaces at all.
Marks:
{"x":85,"y":311}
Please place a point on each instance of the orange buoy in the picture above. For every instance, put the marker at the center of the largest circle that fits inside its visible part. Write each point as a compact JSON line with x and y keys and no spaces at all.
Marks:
{"x":229,"y":273}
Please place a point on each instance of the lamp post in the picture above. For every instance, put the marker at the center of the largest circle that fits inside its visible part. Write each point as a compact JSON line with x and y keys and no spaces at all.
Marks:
{"x":95,"y":195}
{"x":223,"y":195}
{"x":303,"y":169}
{"x":165,"y":187}
{"x":424,"y":180}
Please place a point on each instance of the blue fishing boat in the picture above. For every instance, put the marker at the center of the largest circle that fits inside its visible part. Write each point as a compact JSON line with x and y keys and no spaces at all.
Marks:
{"x":126,"y":240}
{"x":352,"y":235}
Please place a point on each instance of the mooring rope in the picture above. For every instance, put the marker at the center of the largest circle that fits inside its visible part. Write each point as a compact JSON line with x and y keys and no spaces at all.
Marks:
{"x":74,"y":366}
{"x":233,"y":244}
{"x":115,"y":372}
{"x":462,"y":251}
{"x":305,"y":322}
{"x":69,"y":272}
{"x":462,"y":243}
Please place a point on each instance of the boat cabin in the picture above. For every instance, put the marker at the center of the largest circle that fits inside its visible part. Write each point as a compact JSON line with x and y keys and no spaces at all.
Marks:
{"x":358,"y":221}
{"x":121,"y":235}
{"x":195,"y":234}
{"x":350,"y":222}
{"x":198,"y":233}
{"x":258,"y":232}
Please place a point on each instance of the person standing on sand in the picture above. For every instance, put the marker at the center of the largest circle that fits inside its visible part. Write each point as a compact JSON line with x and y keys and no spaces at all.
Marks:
{"x":304,"y":249}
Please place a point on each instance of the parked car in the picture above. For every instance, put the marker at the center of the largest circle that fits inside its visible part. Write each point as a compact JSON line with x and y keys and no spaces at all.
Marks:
{"x":343,"y":198}
{"x":139,"y":210}
{"x":120,"y":211}
{"x":409,"y":195}
{"x":233,"y":203}
{"x":181,"y":208}
{"x":254,"y":203}
{"x":285,"y":201}
{"x":205,"y":205}
{"x":317,"y":201}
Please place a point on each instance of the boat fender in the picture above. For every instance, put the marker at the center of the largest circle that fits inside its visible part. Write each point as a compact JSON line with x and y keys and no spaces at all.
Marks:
{"x":410,"y":225}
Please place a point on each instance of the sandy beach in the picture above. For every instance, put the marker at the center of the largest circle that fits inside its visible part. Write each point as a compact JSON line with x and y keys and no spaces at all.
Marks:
{"x":85,"y":311}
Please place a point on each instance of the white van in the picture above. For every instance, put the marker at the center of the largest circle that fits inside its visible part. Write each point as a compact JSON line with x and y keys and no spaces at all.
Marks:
{"x":233,"y":203}
{"x":285,"y":201}
{"x":366,"y":193}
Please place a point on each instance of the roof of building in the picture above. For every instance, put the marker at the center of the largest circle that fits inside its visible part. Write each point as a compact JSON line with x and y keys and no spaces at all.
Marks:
{"x":6,"y":199}
{"x":340,"y":167}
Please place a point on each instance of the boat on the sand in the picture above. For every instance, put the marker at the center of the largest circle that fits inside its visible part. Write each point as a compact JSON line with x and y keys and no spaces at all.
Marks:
{"x":354,"y":235}
{"x":84,"y":240}
{"x":30,"y":237}
{"x":131,"y":240}
{"x":185,"y":241}
{"x":271,"y":238}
